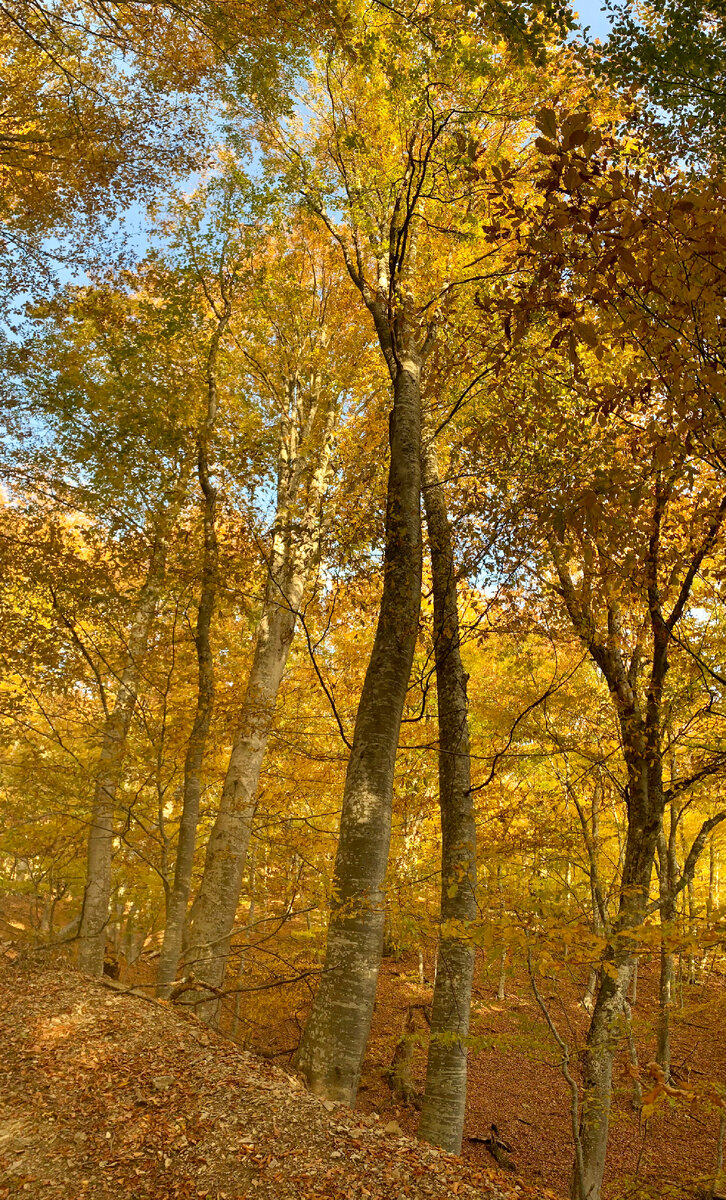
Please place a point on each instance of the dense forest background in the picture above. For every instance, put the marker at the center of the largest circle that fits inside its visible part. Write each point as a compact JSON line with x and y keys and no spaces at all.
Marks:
{"x":364,"y":484}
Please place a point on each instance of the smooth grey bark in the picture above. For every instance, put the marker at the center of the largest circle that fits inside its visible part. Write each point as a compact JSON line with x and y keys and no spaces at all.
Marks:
{"x":214,"y":910}
{"x":178,"y":894}
{"x":591,"y":837}
{"x":178,"y":897}
{"x":335,"y":1037}
{"x":97,"y":894}
{"x":305,"y":448}
{"x":502,"y":984}
{"x":379,"y":247}
{"x":442,"y":1117}
{"x":712,"y":899}
{"x":667,"y":882}
{"x":632,"y":1049}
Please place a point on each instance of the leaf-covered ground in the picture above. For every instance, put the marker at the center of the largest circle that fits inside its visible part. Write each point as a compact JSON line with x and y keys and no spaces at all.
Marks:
{"x":107,"y":1094}
{"x":514,"y":1074}
{"x":515,"y":1080}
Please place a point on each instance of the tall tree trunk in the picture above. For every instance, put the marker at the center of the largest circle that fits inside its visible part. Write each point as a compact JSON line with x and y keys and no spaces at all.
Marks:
{"x":608,"y":1024}
{"x":640,"y":733}
{"x":214,"y":909}
{"x":591,"y":836}
{"x":712,"y":901}
{"x":295,"y":549}
{"x":334,"y":1040}
{"x":97,"y":894}
{"x":502,"y":985}
{"x":667,"y":879}
{"x":178,"y":897}
{"x":442,"y":1117}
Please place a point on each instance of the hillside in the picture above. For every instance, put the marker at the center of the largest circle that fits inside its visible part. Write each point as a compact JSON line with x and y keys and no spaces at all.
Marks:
{"x":104,"y":1093}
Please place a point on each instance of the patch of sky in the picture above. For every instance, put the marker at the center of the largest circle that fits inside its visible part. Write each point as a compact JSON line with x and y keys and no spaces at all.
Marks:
{"x":593,"y":18}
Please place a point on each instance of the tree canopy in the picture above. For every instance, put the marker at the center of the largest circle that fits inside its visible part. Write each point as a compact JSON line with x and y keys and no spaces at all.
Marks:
{"x":362,"y":536}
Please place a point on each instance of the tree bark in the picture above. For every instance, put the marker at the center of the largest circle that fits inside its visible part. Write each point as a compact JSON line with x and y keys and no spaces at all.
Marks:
{"x":712,"y":900}
{"x":214,"y":910}
{"x":608,"y":1024}
{"x":641,"y":739}
{"x":97,"y":894}
{"x":667,"y":879}
{"x":295,"y":548}
{"x":334,"y":1040}
{"x":178,"y":896}
{"x":591,"y":836}
{"x":442,"y":1118}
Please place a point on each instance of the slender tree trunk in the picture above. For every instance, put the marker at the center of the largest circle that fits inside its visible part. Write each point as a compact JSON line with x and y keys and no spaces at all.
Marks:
{"x":214,"y":909}
{"x":502,"y":985}
{"x":442,"y":1117}
{"x":691,"y":902}
{"x":633,"y":1051}
{"x":640,"y":731}
{"x":334,"y":1040}
{"x":129,"y":937}
{"x":194,"y":759}
{"x":634,"y":985}
{"x":178,"y":897}
{"x":599,"y":914}
{"x":97,"y":894}
{"x":295,"y":549}
{"x":608,"y":1024}
{"x":712,"y":901}
{"x":692,"y":856}
{"x":666,"y":886}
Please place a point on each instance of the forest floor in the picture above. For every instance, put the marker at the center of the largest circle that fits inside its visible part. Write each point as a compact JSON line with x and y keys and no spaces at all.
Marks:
{"x":104,"y":1093}
{"x":515,"y":1080}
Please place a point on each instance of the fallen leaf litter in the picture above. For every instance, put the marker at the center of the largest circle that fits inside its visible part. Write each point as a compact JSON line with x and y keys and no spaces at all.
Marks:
{"x":104,"y":1094}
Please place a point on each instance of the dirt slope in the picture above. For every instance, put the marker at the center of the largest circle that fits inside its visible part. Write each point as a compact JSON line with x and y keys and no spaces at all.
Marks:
{"x":105,"y":1094}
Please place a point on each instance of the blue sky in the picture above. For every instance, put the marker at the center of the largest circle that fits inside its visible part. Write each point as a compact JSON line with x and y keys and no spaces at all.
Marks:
{"x":592,"y":14}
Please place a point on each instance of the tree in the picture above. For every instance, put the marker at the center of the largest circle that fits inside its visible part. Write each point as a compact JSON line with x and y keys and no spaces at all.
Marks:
{"x":97,"y":895}
{"x":297,"y":302}
{"x":670,"y":54}
{"x":178,"y":894}
{"x":388,"y":212}
{"x":630,"y":521}
{"x":442,"y":1118}
{"x":110,"y":103}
